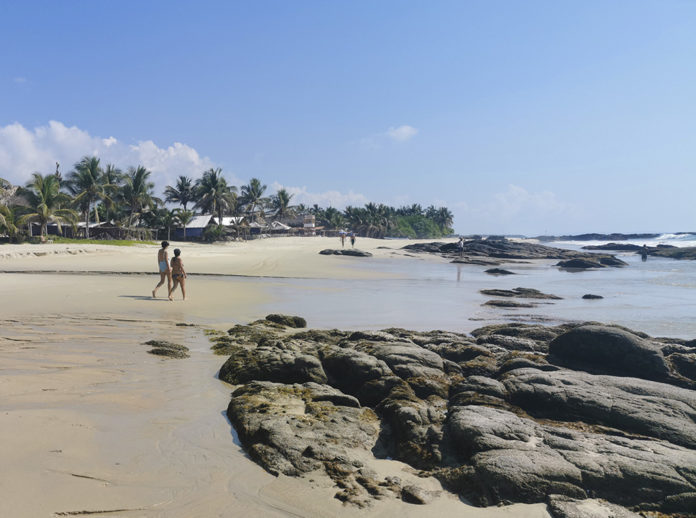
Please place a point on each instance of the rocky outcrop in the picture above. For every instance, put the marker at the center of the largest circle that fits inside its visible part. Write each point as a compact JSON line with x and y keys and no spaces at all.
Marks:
{"x":618,"y":247}
{"x":507,"y":304}
{"x":524,"y":293}
{"x":499,"y":271}
{"x":507,"y":249}
{"x":684,"y":253}
{"x":167,"y":349}
{"x":591,"y":262}
{"x":561,"y":506}
{"x":591,"y":296}
{"x":287,"y":320}
{"x":583,"y":417}
{"x":346,"y":251}
{"x":609,"y":350}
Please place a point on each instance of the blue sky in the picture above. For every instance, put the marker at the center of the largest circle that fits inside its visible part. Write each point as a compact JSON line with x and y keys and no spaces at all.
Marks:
{"x":522,"y":117}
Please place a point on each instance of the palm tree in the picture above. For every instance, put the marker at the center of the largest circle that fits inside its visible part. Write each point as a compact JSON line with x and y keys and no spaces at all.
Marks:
{"x":162,"y":217}
{"x":45,"y":202}
{"x":182,"y":218}
{"x":182,"y":194}
{"x":213,"y":195}
{"x":87,"y":184}
{"x":443,"y":218}
{"x":252,"y":195}
{"x":332,"y":218}
{"x":356,"y":218}
{"x":280,"y":203}
{"x":9,"y":221}
{"x":113,"y":178}
{"x":137,"y":192}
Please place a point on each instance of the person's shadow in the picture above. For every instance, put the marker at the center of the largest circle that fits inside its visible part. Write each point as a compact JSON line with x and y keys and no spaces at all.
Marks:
{"x":144,"y":297}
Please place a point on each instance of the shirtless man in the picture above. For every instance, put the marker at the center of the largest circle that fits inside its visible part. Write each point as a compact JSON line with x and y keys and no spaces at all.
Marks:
{"x":178,"y":274}
{"x":164,"y":270}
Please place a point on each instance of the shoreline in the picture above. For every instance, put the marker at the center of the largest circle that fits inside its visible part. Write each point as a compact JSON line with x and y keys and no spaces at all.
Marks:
{"x":97,"y":425}
{"x":150,"y":435}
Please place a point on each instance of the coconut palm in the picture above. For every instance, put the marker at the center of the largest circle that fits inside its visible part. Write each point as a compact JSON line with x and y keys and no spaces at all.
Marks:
{"x":182,"y":218}
{"x":182,"y":193}
{"x":252,"y":195}
{"x":444,"y":218}
{"x":280,"y":203}
{"x":113,"y":178}
{"x":213,"y":195}
{"x":46,"y":202}
{"x":137,"y":192}
{"x":332,"y":218}
{"x":162,"y":217}
{"x":87,"y":184}
{"x":9,"y":221}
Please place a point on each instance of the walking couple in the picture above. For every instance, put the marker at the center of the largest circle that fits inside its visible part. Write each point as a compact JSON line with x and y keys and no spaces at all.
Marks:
{"x":170,"y":271}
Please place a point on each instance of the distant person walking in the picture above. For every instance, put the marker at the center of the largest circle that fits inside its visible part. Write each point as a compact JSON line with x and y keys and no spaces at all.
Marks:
{"x":460,"y":245}
{"x":164,"y":270}
{"x":178,"y":274}
{"x":644,"y":253}
{"x":352,"y":239}
{"x":343,"y":239}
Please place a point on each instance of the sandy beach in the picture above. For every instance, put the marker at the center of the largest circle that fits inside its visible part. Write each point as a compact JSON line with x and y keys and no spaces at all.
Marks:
{"x":93,"y":424}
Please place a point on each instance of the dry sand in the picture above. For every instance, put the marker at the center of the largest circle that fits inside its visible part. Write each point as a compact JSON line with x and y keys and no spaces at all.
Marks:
{"x":91,"y":423}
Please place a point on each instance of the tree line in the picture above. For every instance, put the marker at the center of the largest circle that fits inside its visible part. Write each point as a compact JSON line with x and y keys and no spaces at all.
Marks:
{"x":95,"y":193}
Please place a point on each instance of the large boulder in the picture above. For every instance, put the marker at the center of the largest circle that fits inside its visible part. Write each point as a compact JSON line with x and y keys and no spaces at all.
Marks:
{"x":561,"y":506}
{"x":287,"y":320}
{"x":633,"y":405}
{"x":517,"y":459}
{"x":579,"y":264}
{"x":494,"y":416}
{"x":298,"y":428}
{"x":271,"y":362}
{"x":609,"y":350}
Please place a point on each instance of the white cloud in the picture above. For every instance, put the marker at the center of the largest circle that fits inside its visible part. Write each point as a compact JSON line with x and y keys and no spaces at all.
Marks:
{"x":19,"y":80}
{"x":394,"y":133}
{"x":401,"y":133}
{"x":517,"y":200}
{"x":516,"y":211}
{"x":335,"y":199}
{"x":24,"y":151}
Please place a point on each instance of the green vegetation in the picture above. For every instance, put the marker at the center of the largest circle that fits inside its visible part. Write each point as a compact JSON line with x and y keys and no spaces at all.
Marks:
{"x":126,"y":203}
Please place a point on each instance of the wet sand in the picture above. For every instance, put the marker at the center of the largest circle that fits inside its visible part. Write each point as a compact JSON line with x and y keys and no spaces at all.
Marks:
{"x":91,"y":423}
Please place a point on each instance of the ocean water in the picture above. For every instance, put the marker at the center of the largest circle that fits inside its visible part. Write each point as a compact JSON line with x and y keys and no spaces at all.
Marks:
{"x":657,"y":296}
{"x":681,"y":240}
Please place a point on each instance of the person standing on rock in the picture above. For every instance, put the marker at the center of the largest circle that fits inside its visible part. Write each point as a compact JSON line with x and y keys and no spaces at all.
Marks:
{"x":644,"y":253}
{"x":460,"y":245}
{"x":164,"y":270}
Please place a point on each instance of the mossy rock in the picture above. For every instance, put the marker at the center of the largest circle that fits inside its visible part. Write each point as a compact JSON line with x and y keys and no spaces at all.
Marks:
{"x":287,"y":320}
{"x":167,"y":349}
{"x":329,"y":336}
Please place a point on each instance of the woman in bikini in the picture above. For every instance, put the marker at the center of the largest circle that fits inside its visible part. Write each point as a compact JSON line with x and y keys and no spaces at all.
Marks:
{"x":178,"y":274}
{"x":164,"y":270}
